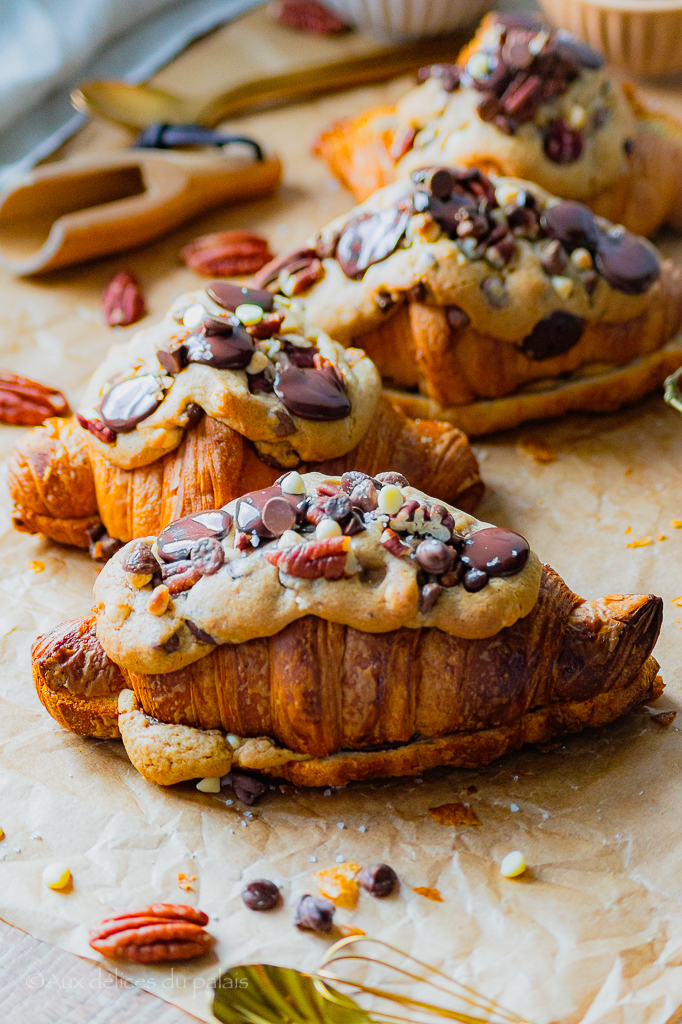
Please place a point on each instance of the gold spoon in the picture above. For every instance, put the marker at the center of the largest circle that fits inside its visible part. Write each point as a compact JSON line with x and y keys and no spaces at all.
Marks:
{"x":136,"y":106}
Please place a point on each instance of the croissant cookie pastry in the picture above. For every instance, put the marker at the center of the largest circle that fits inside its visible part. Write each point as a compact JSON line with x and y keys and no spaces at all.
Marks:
{"x":525,"y":101}
{"x":232,"y":387}
{"x":333,"y":628}
{"x":486,"y":301}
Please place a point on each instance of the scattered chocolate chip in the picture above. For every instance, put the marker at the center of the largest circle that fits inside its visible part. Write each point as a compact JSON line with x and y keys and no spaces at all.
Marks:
{"x":385,"y":301}
{"x":261,"y":895}
{"x":311,"y":394}
{"x":175,"y":542}
{"x":391,"y":477}
{"x":131,"y":401}
{"x":554,"y":258}
{"x":428,"y":595}
{"x":140,"y":561}
{"x":474,"y":580}
{"x":259,"y":384}
{"x":246,"y":788}
{"x":628,"y":147}
{"x":337,"y":507}
{"x":219,"y":343}
{"x":378,"y":880}
{"x":573,"y":224}
{"x":495,"y":292}
{"x":278,"y":515}
{"x":457,"y":318}
{"x":201,"y":635}
{"x":563,"y":145}
{"x":354,"y":526}
{"x":193,"y":413}
{"x":629,"y":263}
{"x":364,"y":496}
{"x":314,"y":914}
{"x":495,"y":551}
{"x":171,"y":645}
{"x":578,"y":52}
{"x":452,"y":578}
{"x":369,"y":239}
{"x":555,"y":334}
{"x":284,"y":426}
{"x":229,"y":296}
{"x":172,"y":359}
{"x":434,"y":556}
{"x":207,"y":555}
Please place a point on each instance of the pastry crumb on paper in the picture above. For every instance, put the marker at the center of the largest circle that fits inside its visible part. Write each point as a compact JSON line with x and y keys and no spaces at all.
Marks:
{"x":455,"y":814}
{"x":429,"y":894}
{"x":538,"y":450}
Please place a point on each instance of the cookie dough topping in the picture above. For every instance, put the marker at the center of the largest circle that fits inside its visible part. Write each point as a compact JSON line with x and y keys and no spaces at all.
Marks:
{"x":366,"y":551}
{"x":521,"y":66}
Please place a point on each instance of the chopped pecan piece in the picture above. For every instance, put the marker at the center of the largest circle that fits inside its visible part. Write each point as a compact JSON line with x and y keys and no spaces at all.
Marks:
{"x":314,"y":560}
{"x":392,"y":542}
{"x":28,"y":403}
{"x":154,"y":934}
{"x":308,"y":16}
{"x":227,"y":254}
{"x":123,"y":301}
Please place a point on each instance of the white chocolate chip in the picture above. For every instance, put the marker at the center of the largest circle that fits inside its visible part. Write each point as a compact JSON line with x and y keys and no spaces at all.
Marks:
{"x":209,"y":786}
{"x":293,"y":483}
{"x":478,"y":65}
{"x":234,"y":740}
{"x":288,"y":539}
{"x":194,"y":315}
{"x":513,"y":864}
{"x":249,"y":313}
{"x":507,"y":194}
{"x":577,"y":116}
{"x":563,"y":286}
{"x":56,"y":876}
{"x":159,"y":600}
{"x":581,"y":259}
{"x":461,"y":258}
{"x":139,"y":580}
{"x":537,"y":42}
{"x":259,"y":361}
{"x":327,"y":528}
{"x":390,"y":499}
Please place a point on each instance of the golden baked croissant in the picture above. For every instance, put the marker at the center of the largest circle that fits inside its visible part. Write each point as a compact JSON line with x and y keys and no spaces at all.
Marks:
{"x":528,"y":102}
{"x":487,"y":301}
{"x":338,"y":628}
{"x":70,"y":483}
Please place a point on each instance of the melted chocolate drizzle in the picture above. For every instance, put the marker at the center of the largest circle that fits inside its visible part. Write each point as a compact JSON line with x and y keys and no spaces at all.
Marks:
{"x":370,"y":239}
{"x":131,"y":401}
{"x":495,"y":552}
{"x":175,"y":542}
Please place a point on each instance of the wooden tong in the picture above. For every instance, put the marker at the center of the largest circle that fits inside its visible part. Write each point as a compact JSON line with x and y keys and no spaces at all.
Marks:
{"x":89,"y":206}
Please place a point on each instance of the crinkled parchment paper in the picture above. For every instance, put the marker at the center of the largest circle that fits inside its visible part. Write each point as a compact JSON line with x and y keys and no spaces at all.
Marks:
{"x":592,"y":932}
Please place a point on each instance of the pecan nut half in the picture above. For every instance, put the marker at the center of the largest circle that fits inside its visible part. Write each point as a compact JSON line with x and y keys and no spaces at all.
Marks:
{"x":227,"y":254}
{"x":123,"y":301}
{"x":154,"y":934}
{"x":314,"y":560}
{"x":28,"y":403}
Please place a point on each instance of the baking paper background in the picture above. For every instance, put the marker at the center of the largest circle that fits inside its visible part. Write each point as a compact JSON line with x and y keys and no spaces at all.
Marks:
{"x":592,"y":932}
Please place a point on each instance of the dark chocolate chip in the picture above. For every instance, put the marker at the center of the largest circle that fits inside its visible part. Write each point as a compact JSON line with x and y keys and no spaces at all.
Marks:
{"x":172,"y":360}
{"x":474,"y":580}
{"x":229,"y":296}
{"x":385,"y":301}
{"x":261,"y":895}
{"x":495,"y":552}
{"x":131,"y":401}
{"x":554,"y":258}
{"x":378,"y":880}
{"x":428,"y":595}
{"x":223,"y":345}
{"x":246,"y":788}
{"x":437,"y":181}
{"x":337,"y":507}
{"x":104,"y":548}
{"x":370,"y":239}
{"x":434,"y":556}
{"x":172,"y":644}
{"x":454,"y":576}
{"x":175,"y":542}
{"x":207,"y":555}
{"x":354,"y":526}
{"x":629,"y":263}
{"x":278,"y":515}
{"x":140,"y":561}
{"x":311,"y":394}
{"x":573,"y":224}
{"x":555,"y":334}
{"x":579,"y":53}
{"x":563,"y":144}
{"x":364,"y":496}
{"x":200,"y":634}
{"x":251,"y":508}
{"x":314,"y":914}
{"x":194,"y":414}
{"x":628,"y":147}
{"x":457,"y":318}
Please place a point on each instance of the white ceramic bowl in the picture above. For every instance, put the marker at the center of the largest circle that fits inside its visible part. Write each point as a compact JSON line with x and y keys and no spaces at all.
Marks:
{"x":407,"y":19}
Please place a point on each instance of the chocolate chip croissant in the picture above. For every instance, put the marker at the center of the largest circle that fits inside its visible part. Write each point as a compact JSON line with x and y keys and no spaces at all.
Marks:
{"x":525,"y":101}
{"x":194,"y":409}
{"x":326,"y":629}
{"x":486,"y":301}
